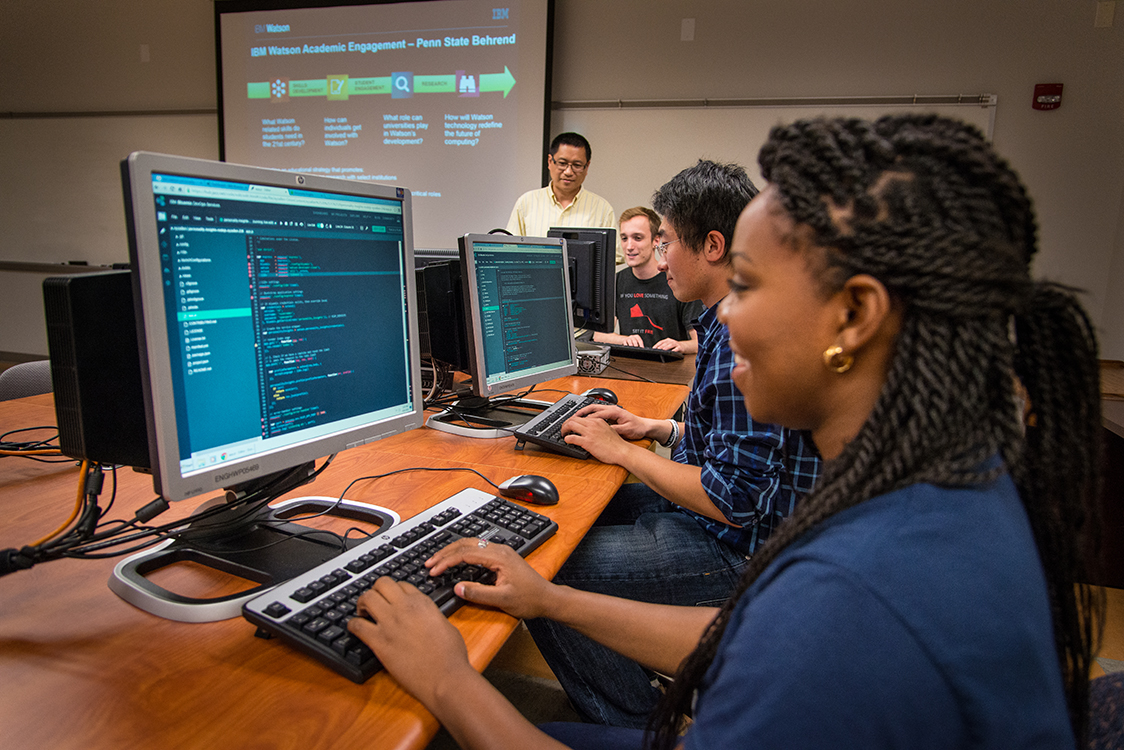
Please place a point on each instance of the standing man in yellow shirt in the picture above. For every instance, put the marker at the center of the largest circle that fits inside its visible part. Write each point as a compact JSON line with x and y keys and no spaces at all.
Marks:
{"x":562,"y":203}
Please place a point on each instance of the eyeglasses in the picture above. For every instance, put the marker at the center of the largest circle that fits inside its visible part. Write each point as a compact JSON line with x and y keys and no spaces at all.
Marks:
{"x":563,"y":165}
{"x":661,"y":248}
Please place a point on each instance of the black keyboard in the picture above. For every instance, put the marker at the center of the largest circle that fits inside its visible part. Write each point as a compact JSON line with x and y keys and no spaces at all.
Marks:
{"x":545,"y":429}
{"x":644,"y":352}
{"x":311,"y":612}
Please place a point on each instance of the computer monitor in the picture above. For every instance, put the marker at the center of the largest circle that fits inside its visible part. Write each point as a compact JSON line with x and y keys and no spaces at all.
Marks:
{"x":520,"y":328}
{"x":520,"y":322}
{"x":276,"y":319}
{"x":593,"y":275}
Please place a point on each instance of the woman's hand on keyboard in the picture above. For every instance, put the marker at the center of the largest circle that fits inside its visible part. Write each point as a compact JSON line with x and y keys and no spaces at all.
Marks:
{"x":410,"y":636}
{"x":519,"y":590}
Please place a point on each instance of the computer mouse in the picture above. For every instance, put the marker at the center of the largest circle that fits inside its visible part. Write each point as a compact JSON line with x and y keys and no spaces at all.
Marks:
{"x":602,"y":394}
{"x":530,"y":488}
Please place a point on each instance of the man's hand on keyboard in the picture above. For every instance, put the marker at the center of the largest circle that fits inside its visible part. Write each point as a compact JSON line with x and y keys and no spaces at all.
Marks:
{"x":410,"y":636}
{"x":670,"y":345}
{"x":519,"y":590}
{"x":597,"y":436}
{"x":633,"y":340}
{"x":624,"y":423}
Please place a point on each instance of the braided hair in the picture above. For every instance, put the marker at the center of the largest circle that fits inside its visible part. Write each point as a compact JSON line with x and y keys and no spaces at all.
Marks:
{"x":924,"y":205}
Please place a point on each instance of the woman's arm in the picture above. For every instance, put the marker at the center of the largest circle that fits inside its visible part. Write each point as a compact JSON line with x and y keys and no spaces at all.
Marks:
{"x":422,"y":650}
{"x":655,"y":635}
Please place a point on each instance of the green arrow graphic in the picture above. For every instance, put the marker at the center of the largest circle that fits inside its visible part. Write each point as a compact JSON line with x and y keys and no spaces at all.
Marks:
{"x":355,"y":86}
{"x":427,"y":84}
{"x":497,"y":82}
{"x":358,"y":86}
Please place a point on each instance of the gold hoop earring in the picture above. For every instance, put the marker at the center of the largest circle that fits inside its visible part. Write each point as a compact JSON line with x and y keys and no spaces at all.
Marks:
{"x":835,"y":360}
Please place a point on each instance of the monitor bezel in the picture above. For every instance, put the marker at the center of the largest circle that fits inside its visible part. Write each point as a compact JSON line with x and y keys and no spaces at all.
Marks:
{"x":480,"y":386}
{"x":153,"y":340}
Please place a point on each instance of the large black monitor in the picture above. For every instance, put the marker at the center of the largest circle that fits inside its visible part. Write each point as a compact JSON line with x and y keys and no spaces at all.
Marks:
{"x":276,"y":319}
{"x":593,"y":275}
{"x":519,"y":324}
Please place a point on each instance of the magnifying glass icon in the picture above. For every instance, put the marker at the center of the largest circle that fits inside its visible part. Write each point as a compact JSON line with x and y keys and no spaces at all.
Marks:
{"x":402,"y":84}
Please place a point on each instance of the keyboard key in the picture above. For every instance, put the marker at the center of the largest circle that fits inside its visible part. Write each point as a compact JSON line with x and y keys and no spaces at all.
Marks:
{"x":277,"y":609}
{"x":329,"y":634}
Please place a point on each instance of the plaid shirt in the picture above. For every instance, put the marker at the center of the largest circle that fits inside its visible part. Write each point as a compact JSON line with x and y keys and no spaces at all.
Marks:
{"x":753,"y":472}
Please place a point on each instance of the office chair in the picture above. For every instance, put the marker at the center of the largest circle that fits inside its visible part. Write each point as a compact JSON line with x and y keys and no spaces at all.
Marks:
{"x":25,"y":379}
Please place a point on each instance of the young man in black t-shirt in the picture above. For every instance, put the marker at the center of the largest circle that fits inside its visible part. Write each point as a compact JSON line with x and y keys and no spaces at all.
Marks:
{"x":648,"y":314}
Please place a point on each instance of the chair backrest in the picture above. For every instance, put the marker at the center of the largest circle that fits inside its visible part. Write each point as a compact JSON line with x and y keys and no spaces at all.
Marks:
{"x":25,"y":379}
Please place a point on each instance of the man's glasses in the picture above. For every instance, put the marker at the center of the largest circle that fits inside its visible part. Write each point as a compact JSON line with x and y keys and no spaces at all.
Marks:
{"x":563,"y":165}
{"x":661,"y":248}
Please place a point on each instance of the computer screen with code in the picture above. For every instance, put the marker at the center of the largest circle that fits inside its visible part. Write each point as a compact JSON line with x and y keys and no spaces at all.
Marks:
{"x":277,"y":316}
{"x":519,"y":309}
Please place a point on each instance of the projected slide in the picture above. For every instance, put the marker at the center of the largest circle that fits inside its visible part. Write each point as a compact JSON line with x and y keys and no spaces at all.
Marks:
{"x":446,"y":98}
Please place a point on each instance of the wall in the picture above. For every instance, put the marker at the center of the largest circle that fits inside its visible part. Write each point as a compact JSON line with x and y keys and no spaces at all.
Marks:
{"x":70,"y":56}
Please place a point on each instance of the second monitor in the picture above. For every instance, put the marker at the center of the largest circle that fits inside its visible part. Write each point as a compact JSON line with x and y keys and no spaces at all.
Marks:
{"x":517,"y":306}
{"x":592,"y":253}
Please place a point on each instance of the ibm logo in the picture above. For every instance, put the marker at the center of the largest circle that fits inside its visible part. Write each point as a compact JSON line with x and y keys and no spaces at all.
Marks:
{"x":499,"y":14}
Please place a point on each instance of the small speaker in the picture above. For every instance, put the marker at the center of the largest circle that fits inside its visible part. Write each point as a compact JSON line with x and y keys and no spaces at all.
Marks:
{"x":95,"y":368}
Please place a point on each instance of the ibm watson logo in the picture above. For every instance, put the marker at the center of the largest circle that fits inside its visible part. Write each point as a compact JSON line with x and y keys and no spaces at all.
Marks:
{"x":271,"y":28}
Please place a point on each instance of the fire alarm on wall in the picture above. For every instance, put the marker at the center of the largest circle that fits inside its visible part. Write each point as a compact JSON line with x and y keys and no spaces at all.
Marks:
{"x":1047,"y":96}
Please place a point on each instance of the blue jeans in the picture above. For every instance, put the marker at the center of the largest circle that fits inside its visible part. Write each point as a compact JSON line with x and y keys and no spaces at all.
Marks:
{"x":641,"y":548}
{"x":589,"y":737}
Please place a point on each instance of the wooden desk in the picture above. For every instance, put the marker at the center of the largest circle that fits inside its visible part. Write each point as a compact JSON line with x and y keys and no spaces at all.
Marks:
{"x":83,"y":669}
{"x":681,"y":372}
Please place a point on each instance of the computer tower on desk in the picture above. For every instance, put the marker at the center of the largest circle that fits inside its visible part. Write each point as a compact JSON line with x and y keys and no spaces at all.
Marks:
{"x":442,"y":324}
{"x":95,"y":367}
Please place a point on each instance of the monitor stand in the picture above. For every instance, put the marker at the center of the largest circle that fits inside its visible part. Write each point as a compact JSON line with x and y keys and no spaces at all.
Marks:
{"x":259,"y":545}
{"x":486,"y":418}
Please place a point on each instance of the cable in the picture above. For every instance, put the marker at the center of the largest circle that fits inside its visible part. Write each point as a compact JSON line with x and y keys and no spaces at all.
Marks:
{"x":249,"y":504}
{"x":90,"y":535}
{"x":31,"y":448}
{"x":626,"y":372}
{"x":346,"y":489}
{"x":78,"y":503}
{"x":46,"y":442}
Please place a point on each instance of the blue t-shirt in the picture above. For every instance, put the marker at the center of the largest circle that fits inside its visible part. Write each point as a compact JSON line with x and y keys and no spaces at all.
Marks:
{"x":919,"y":619}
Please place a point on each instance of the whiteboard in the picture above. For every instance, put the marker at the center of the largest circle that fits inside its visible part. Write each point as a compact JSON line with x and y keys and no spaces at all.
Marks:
{"x":60,"y":180}
{"x":636,"y":150}
{"x":60,"y":192}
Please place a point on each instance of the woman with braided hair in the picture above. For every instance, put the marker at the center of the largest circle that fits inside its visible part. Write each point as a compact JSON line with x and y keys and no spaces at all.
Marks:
{"x":929,"y":592}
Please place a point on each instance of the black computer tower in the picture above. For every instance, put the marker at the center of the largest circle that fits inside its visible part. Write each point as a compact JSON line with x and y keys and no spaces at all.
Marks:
{"x":95,"y":367}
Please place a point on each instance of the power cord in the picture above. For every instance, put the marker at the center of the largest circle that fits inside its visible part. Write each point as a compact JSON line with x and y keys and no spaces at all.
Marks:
{"x":32,"y":449}
{"x":84,"y":535}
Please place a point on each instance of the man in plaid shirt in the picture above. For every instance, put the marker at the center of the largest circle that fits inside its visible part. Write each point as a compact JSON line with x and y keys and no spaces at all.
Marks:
{"x":684,"y":533}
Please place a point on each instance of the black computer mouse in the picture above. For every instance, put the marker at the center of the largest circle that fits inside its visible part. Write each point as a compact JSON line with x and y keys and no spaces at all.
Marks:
{"x":530,"y":488}
{"x":602,"y":394}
